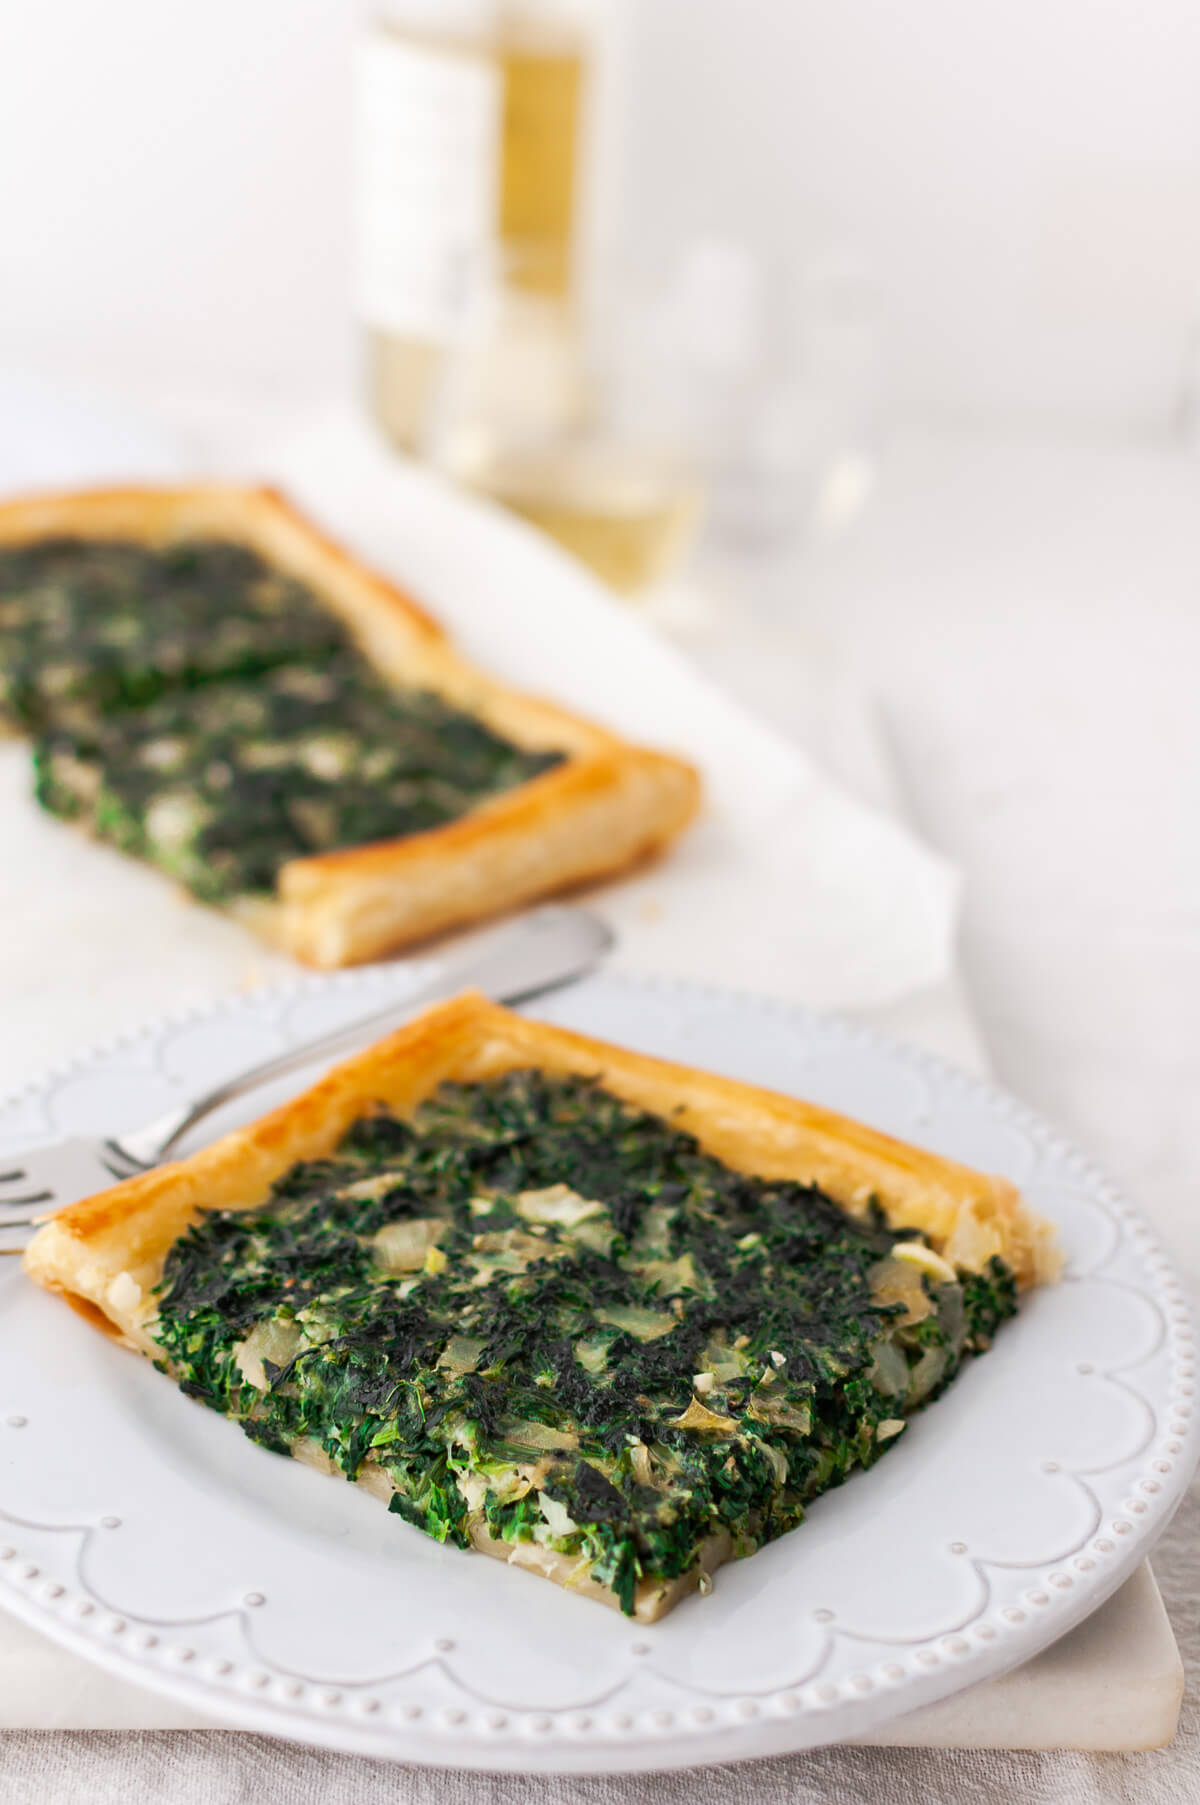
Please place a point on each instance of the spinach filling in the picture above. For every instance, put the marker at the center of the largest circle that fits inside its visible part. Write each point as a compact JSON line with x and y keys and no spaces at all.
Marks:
{"x":92,"y":625}
{"x":202,"y":710}
{"x":219,"y":786}
{"x":535,"y":1310}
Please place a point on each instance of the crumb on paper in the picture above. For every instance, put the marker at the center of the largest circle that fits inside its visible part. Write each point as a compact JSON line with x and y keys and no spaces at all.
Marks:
{"x":651,"y":909}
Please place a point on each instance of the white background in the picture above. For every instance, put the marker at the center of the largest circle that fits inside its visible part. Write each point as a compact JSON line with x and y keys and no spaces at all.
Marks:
{"x":1022,"y":175}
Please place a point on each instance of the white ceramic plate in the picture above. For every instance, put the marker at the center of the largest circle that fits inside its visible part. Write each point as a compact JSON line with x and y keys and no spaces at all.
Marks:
{"x":148,"y":1534}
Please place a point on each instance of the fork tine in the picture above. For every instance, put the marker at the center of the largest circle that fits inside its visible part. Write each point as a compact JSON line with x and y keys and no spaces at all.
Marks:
{"x":50,"y":1177}
{"x":121,"y":1163}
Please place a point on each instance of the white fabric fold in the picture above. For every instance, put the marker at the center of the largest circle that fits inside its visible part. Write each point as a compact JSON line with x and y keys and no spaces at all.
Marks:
{"x":786,"y":884}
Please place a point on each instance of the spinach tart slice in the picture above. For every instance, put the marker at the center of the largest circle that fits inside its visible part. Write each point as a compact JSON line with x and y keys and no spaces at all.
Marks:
{"x":212,"y":686}
{"x":603,"y":1317}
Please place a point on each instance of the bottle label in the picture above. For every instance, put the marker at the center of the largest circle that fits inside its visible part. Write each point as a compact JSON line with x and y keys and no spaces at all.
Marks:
{"x":427,"y":149}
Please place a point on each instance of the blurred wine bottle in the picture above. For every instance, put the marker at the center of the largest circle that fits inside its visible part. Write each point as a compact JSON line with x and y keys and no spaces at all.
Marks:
{"x":486,"y":159}
{"x":469,"y":162}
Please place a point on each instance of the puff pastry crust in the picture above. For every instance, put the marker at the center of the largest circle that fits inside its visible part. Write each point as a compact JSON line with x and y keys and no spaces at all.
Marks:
{"x":106,"y":1254}
{"x":607,"y":806}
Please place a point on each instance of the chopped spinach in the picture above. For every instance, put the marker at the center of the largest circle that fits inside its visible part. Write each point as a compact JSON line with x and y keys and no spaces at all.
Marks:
{"x":221,"y":785}
{"x":199,"y":709}
{"x":92,"y":625}
{"x":549,"y":1317}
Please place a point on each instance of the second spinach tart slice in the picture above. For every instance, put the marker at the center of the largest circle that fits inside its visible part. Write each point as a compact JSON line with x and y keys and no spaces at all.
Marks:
{"x":605,"y":1318}
{"x":216,"y":688}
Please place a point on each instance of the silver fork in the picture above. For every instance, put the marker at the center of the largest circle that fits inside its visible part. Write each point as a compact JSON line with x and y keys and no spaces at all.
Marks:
{"x":539,"y":951}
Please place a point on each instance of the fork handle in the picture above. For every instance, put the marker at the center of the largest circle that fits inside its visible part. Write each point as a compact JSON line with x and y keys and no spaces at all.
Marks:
{"x":541,"y":950}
